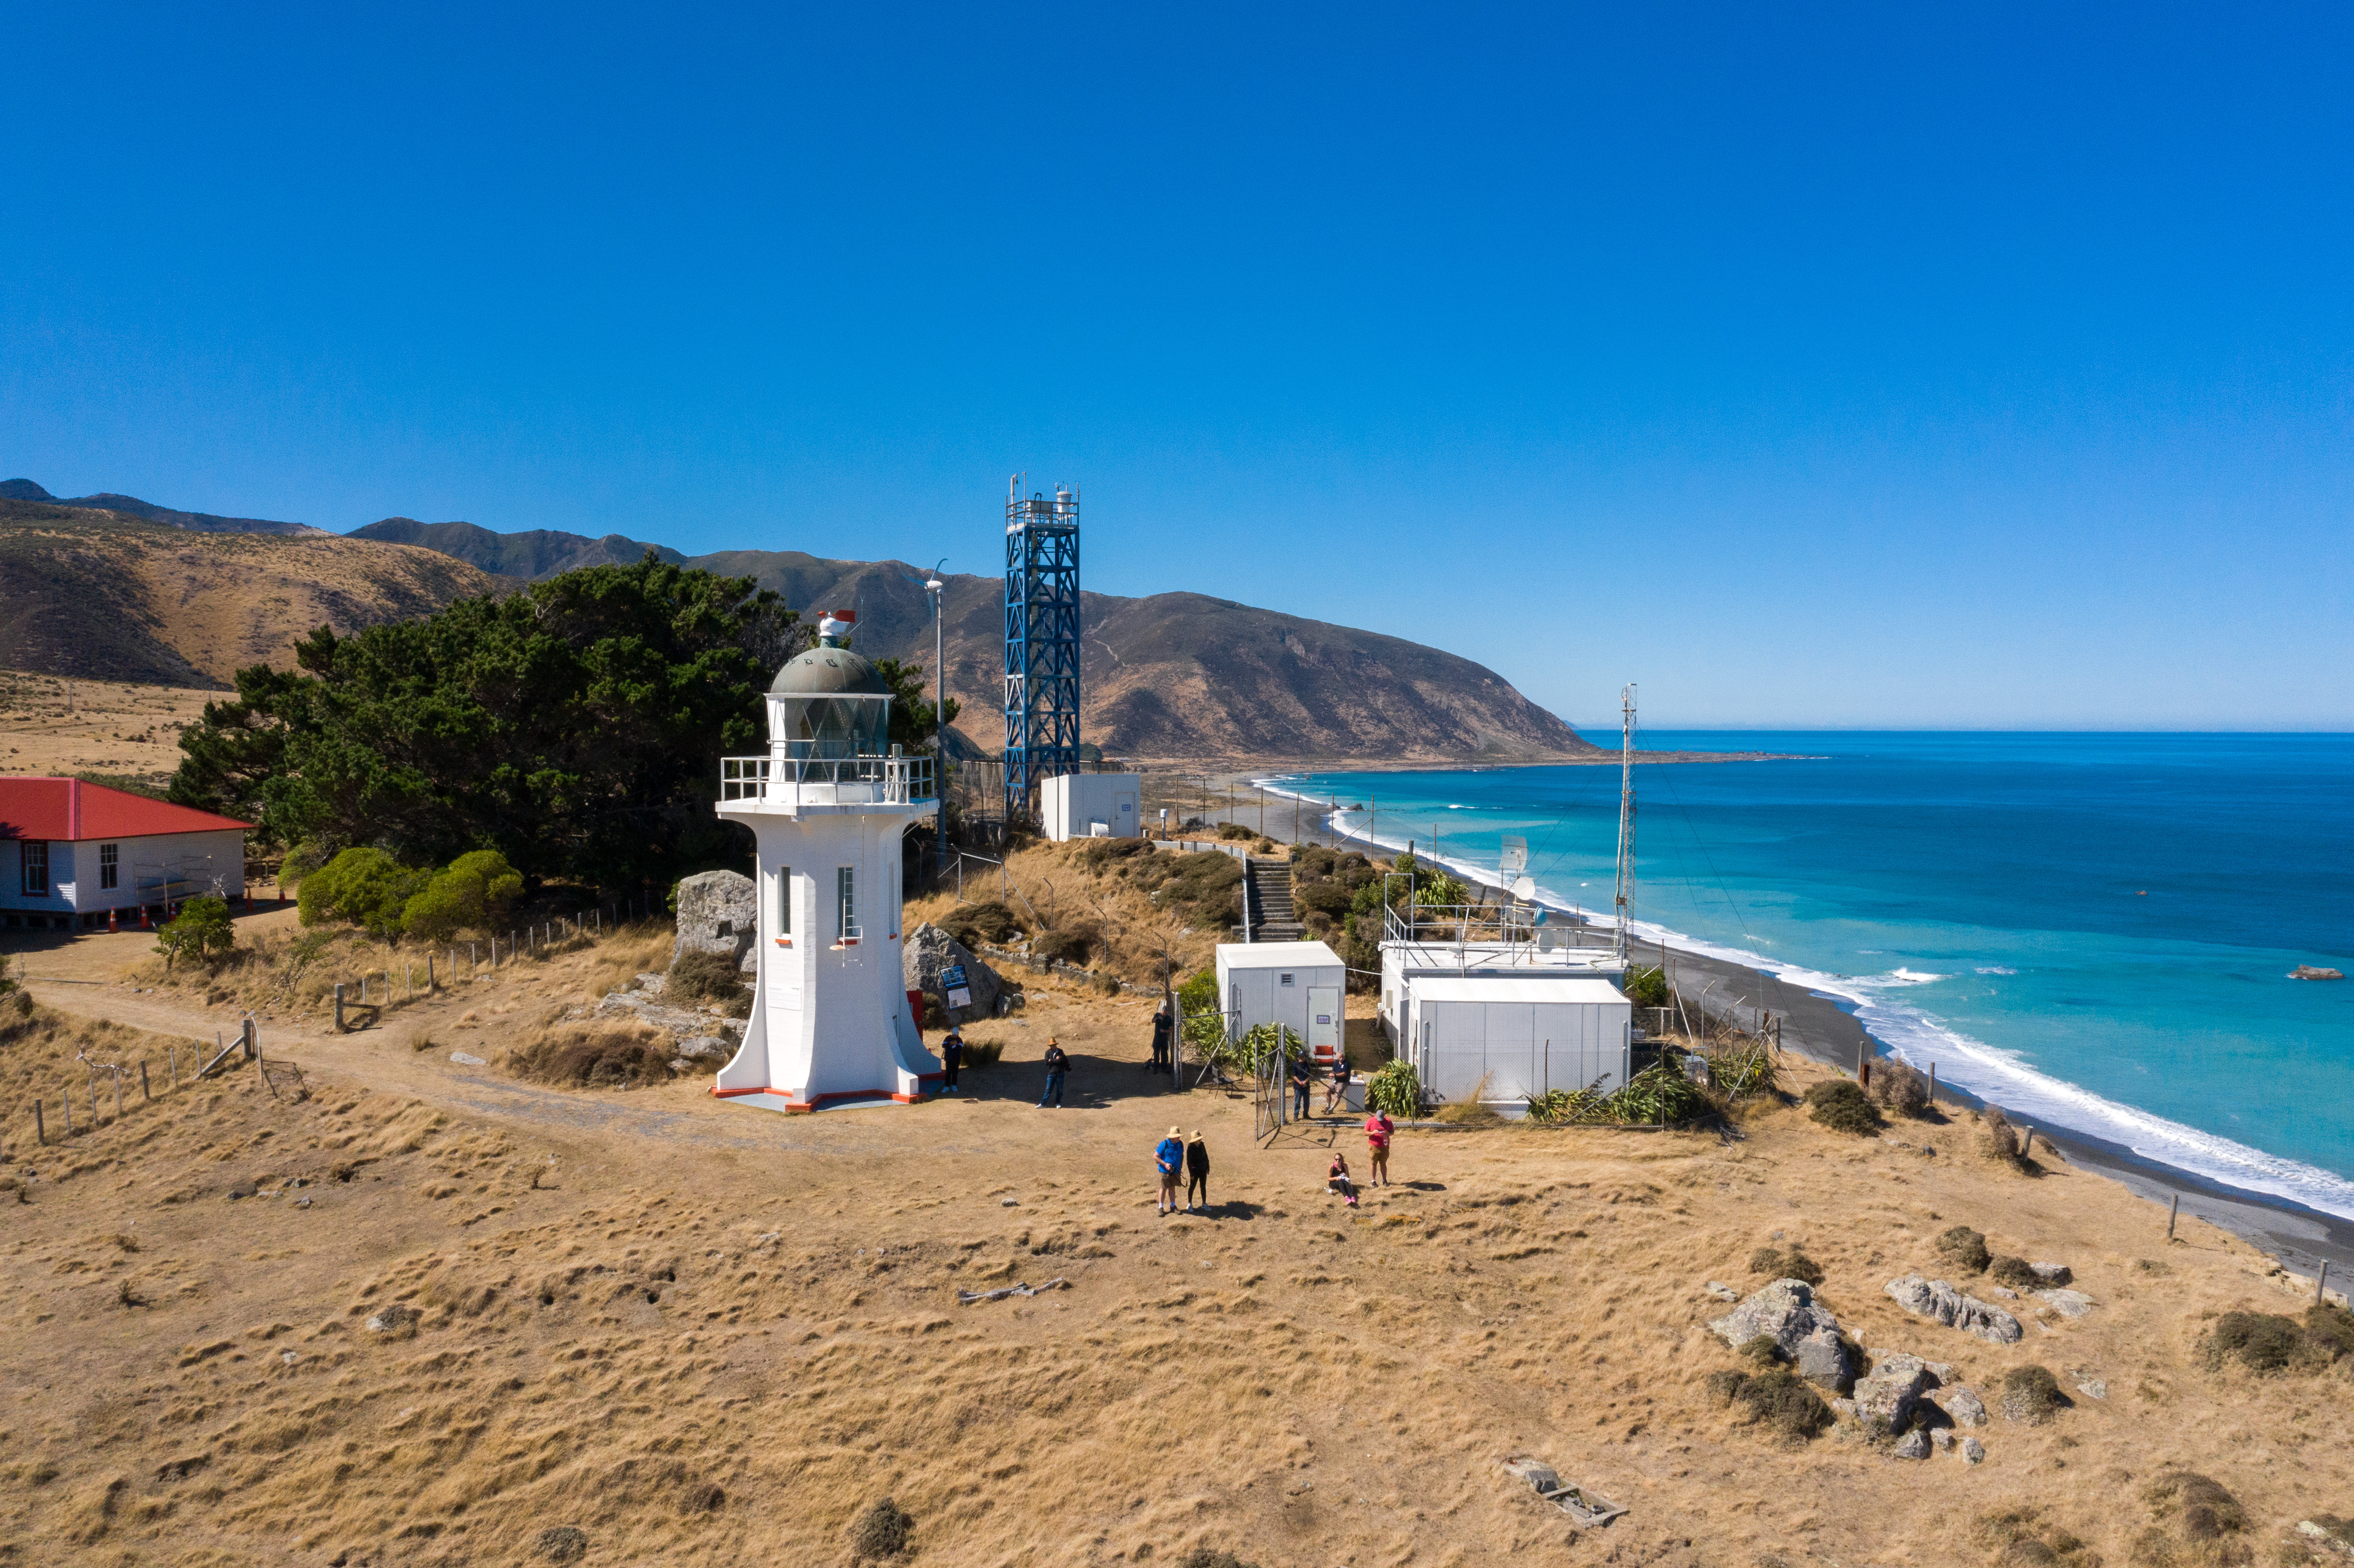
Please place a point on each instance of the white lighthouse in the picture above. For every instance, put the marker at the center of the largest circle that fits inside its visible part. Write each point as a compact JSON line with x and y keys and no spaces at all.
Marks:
{"x":831,"y":1023}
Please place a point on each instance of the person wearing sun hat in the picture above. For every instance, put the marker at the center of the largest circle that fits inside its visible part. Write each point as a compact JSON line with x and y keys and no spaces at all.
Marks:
{"x":1169,"y":1159}
{"x":1197,"y":1172}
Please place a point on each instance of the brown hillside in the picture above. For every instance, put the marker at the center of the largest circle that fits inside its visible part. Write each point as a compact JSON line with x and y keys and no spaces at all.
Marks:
{"x":103,"y":596}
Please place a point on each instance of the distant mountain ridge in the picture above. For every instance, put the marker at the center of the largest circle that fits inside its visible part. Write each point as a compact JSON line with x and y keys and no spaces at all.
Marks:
{"x":131,"y":506}
{"x":139,"y":592}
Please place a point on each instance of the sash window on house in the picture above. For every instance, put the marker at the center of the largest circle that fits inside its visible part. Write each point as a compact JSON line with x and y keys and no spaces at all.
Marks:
{"x":36,"y":869}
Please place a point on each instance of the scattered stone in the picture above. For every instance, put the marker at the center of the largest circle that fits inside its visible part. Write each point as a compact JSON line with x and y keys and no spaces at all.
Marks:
{"x":1963,"y":1405}
{"x":1914,"y":1446}
{"x":2089,"y":1385}
{"x":465,"y":1060}
{"x":1008,"y":1202}
{"x":289,"y":1356}
{"x":1889,"y":1391}
{"x":705,"y":1048}
{"x":1941,"y":1439}
{"x":1844,"y":1407}
{"x":2324,"y":1536}
{"x":718,"y":912}
{"x":1941,"y":1371}
{"x":241,"y":1190}
{"x":928,"y":953}
{"x":2052,"y":1273}
{"x":2067,"y":1303}
{"x":2005,"y":1292}
{"x":393,"y":1319}
{"x":1805,"y":1334}
{"x":563,"y":1543}
{"x":1722,"y":1292}
{"x":1935,"y":1299}
{"x":972,"y":1297}
{"x":1973,"y":1451}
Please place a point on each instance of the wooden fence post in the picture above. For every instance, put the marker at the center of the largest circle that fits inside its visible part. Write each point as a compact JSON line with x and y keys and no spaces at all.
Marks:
{"x":2320,"y":1280}
{"x":252,"y":1032}
{"x":171,"y":1059}
{"x":339,"y":1007}
{"x":2174,"y":1208}
{"x":41,"y":1128}
{"x":144,"y":1092}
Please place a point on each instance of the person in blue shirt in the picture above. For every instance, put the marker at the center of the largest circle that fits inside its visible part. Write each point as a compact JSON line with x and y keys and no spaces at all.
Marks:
{"x":1169,"y":1159}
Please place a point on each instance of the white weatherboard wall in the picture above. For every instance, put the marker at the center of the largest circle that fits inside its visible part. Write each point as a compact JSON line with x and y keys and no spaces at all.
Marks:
{"x":1523,"y":1034}
{"x":1298,"y":984}
{"x":1092,"y":805}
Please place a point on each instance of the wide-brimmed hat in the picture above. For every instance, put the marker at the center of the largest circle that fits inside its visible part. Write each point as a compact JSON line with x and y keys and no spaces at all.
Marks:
{"x":1176,"y":1132}
{"x":1197,"y":1134}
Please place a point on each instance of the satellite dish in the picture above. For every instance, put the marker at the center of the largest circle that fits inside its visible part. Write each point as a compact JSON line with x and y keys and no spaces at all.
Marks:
{"x":1525,"y":888}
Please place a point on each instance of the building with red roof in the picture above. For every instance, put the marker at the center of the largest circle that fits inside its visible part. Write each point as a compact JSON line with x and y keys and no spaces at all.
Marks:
{"x":71,"y":851}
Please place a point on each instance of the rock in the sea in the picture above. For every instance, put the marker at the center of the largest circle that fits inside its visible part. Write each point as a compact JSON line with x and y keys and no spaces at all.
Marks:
{"x":1912,"y":1446}
{"x":2313,"y":971}
{"x":1935,"y":1299}
{"x":1890,"y":1389}
{"x":1805,"y":1332}
{"x":2067,"y":1303}
{"x":2051,"y":1273}
{"x":1722,"y":1292}
{"x":1972,"y":1450}
{"x":718,"y":912}
{"x":928,"y":953}
{"x":1963,"y":1404}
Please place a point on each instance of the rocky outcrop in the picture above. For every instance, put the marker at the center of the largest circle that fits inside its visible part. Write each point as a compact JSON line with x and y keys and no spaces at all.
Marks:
{"x":718,"y":912}
{"x":1890,"y":1392}
{"x":1963,"y":1405}
{"x":1937,"y":1300}
{"x":2052,"y":1274}
{"x":928,"y":953}
{"x":1912,"y":1446}
{"x":1802,"y":1330}
{"x":2067,"y":1303}
{"x":2314,"y":971}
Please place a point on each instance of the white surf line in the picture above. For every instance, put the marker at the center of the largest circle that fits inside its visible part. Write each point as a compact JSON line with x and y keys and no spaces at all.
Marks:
{"x":1993,"y":1073}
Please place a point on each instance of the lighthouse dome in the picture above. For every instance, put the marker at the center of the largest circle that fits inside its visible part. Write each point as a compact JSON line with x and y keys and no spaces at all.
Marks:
{"x":828,"y":671}
{"x":830,"y":703}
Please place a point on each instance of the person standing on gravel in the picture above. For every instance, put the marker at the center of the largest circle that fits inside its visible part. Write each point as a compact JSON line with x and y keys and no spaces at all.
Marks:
{"x":1161,"y":1033}
{"x":1197,"y":1173}
{"x":1168,"y":1159}
{"x":951,"y":1058}
{"x":1303,"y":1082}
{"x":1059,"y":1066}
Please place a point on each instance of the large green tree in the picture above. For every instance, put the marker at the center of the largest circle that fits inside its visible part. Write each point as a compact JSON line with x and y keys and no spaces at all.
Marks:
{"x":576,"y":727}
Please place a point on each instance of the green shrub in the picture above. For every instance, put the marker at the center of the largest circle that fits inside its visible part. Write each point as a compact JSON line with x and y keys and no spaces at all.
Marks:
{"x":473,"y":893}
{"x":2031,"y":1394}
{"x":2202,"y":1507}
{"x":1659,"y":1095}
{"x":2012,"y":1272}
{"x":1778,"y":1399}
{"x":2330,"y":1330}
{"x":1647,"y":986}
{"x":1744,"y":1071}
{"x":1234,"y":832}
{"x":973,"y":924}
{"x":2004,"y":1141}
{"x":200,"y":931}
{"x":362,"y":887}
{"x":1780,"y":1263}
{"x":1843,"y":1108}
{"x":575,"y":1056}
{"x":1964,"y":1249}
{"x":1203,"y":889}
{"x":1061,"y":947}
{"x":1395,"y":1090}
{"x":1100,"y":855}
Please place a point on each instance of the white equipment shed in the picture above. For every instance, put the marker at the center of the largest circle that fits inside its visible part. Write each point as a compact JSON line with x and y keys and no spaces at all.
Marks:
{"x":1518,"y":1034}
{"x":1299,"y":984}
{"x":1091,"y":806}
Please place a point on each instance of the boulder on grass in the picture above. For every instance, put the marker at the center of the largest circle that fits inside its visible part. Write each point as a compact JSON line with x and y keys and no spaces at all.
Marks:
{"x":1892,"y":1390}
{"x":1802,"y":1330}
{"x":928,"y":953}
{"x":1937,"y":1300}
{"x":718,"y":912}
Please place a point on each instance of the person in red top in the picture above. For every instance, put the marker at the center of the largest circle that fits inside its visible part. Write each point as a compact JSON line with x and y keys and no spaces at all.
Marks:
{"x":1378,"y":1128}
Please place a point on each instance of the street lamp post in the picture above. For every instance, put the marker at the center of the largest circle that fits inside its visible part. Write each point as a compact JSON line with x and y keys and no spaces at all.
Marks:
{"x":936,"y":588}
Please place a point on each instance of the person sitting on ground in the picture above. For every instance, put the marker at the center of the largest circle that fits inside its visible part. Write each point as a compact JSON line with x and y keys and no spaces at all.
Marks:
{"x":1303,"y":1081}
{"x":1059,"y":1066}
{"x":1160,"y":1031}
{"x":951,"y":1058}
{"x":1378,"y":1128}
{"x":1168,"y":1159}
{"x":1197,"y":1172}
{"x":1336,"y":1179}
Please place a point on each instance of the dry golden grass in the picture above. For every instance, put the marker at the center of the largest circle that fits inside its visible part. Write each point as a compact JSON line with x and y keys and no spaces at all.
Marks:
{"x":697,"y":1333}
{"x":1051,"y":888}
{"x":109,"y":728}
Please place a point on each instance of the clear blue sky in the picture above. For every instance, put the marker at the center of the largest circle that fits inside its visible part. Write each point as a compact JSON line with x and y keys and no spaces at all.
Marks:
{"x":1891,"y":365}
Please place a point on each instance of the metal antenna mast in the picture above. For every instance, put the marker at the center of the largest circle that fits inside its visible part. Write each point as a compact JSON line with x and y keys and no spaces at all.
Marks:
{"x":1626,"y":814}
{"x":1041,"y":643}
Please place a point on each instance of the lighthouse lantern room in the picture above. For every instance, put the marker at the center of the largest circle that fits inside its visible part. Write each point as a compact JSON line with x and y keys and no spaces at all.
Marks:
{"x":829,"y":805}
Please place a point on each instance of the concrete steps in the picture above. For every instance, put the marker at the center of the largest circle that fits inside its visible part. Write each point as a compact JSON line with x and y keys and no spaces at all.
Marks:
{"x":1273,"y":917}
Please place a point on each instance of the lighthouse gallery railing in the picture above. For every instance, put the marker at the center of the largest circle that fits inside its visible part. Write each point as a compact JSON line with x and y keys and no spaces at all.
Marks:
{"x":885,"y":780}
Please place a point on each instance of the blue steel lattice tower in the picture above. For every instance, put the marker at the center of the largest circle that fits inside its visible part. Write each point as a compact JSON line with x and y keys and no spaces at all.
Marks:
{"x":1041,"y":643}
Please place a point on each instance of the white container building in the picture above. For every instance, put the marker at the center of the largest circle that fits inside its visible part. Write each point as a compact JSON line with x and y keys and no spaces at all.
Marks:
{"x":1501,"y":1038}
{"x":1092,"y":806}
{"x":1298,"y":984}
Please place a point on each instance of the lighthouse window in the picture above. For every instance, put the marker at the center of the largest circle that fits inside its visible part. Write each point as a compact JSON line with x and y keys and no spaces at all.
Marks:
{"x":784,"y":901}
{"x":846,"y":880}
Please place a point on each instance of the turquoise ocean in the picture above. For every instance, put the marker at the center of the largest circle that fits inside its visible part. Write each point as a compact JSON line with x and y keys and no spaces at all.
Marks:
{"x":2094,"y":931}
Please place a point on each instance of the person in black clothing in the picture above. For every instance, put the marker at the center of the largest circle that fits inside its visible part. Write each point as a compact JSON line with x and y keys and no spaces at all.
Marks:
{"x":1059,"y":1066}
{"x":1303,"y":1079}
{"x":951,"y":1058}
{"x":1161,"y":1033}
{"x":1197,"y":1173}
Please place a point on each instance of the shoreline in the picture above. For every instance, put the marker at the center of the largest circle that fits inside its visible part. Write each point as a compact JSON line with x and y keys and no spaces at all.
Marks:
{"x":1822,"y":1027}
